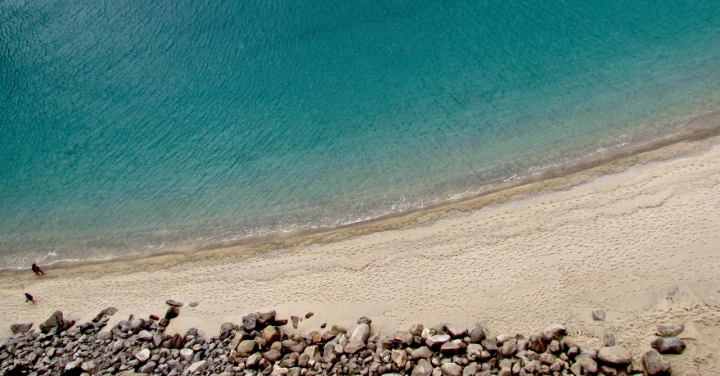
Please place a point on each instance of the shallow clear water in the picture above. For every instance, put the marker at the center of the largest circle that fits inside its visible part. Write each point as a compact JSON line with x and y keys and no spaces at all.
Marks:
{"x":128,"y":127}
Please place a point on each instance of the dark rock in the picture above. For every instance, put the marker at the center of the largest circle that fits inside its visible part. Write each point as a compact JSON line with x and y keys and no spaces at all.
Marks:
{"x":309,"y":315}
{"x":265,"y":319}
{"x":174,"y":303}
{"x":364,"y":320}
{"x":477,"y":334}
{"x":323,"y":325}
{"x":455,"y":331}
{"x":655,"y":364}
{"x":668,"y":345}
{"x":598,"y":315}
{"x":270,"y":334}
{"x":55,"y":321}
{"x":250,"y":321}
{"x":437,"y":340}
{"x":172,"y":313}
{"x":20,"y":328}
{"x":176,"y":342}
{"x":281,"y":322}
{"x":164,"y":322}
{"x":448,"y":349}
{"x":609,"y":339}
{"x":535,"y":343}
{"x":555,"y":331}
{"x":295,"y":321}
{"x":226,"y":330}
{"x":109,"y":311}
{"x":670,"y":330}
{"x":154,"y":318}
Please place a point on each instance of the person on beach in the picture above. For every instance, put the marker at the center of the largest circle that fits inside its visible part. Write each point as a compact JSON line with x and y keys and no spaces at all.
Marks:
{"x":37,"y":270}
{"x":29,"y":298}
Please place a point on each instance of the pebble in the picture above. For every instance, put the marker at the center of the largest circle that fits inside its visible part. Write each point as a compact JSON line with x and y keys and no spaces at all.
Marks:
{"x":655,"y":364}
{"x":174,"y":303}
{"x":598,"y":315}
{"x":615,"y":355}
{"x":668,"y":345}
{"x":670,"y":330}
{"x":194,"y":304}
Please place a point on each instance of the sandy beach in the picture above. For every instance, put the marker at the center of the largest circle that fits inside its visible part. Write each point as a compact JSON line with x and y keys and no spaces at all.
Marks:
{"x":637,"y":238}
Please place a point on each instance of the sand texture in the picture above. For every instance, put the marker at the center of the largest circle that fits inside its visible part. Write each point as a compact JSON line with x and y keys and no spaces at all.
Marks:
{"x":642,"y":244}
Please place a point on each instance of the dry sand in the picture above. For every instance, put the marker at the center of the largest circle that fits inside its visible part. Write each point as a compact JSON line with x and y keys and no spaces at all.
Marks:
{"x":643,"y":244}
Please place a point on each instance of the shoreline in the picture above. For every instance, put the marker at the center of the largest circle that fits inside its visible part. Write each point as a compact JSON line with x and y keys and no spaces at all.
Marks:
{"x":636,"y":237}
{"x":696,"y":132}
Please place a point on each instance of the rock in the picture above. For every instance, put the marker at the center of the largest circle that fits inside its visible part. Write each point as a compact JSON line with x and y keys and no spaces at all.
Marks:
{"x":267,"y":318}
{"x":323,"y":325}
{"x":437,"y":340}
{"x":473,"y":351}
{"x":20,"y":328}
{"x":505,"y":371}
{"x":490,"y":345}
{"x":88,"y":366}
{"x":477,"y":334}
{"x":172,"y":313}
{"x":448,"y":349}
{"x":142,"y":355}
{"x":250,"y":322}
{"x":455,"y":331}
{"x":194,"y":304}
{"x":655,"y":364}
{"x":72,"y":365}
{"x":353,"y":346}
{"x":273,"y":355}
{"x":472,"y":368}
{"x":246,"y":347}
{"x":364,"y":320}
{"x":144,"y":335}
{"x":176,"y":341}
{"x":422,"y":368}
{"x":187,"y":354}
{"x":109,"y":311}
{"x":535,"y":343}
{"x":309,"y":315}
{"x":576,"y":369}
{"x":451,"y":369}
{"x":416,"y":330}
{"x":55,"y":320}
{"x":598,"y":315}
{"x":421,"y":353}
{"x":253,"y":359}
{"x":509,"y":347}
{"x":399,"y":357}
{"x":173,"y":303}
{"x":609,"y":339}
{"x":295,"y":321}
{"x":670,"y":330}
{"x":615,"y":355}
{"x":154,"y":317}
{"x":403,"y":337}
{"x":270,"y":334}
{"x":197,"y":366}
{"x":555,"y":331}
{"x":226,"y":330}
{"x":668,"y":345}
{"x":588,"y":364}
{"x":136,"y":325}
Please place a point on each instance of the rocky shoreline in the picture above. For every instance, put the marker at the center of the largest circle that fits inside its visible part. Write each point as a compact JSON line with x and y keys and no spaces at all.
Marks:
{"x":261,"y":347}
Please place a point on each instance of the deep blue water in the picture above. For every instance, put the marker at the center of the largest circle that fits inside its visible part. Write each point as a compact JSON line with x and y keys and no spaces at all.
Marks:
{"x":130,"y":126}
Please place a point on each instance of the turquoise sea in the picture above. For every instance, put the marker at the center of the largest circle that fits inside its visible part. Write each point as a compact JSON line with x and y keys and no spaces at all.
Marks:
{"x":138,"y":126}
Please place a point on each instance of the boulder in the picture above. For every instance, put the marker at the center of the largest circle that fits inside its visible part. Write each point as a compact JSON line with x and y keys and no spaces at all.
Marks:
{"x":668,"y":345}
{"x":670,"y":330}
{"x":615,"y":355}
{"x":437,"y":340}
{"x":555,"y":331}
{"x":173,"y":303}
{"x":422,"y":368}
{"x":20,"y":328}
{"x":54,"y":321}
{"x":655,"y":364}
{"x":455,"y":331}
{"x":598,"y":315}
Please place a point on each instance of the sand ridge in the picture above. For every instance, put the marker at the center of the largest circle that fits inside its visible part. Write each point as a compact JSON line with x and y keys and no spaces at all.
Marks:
{"x":641,"y":244}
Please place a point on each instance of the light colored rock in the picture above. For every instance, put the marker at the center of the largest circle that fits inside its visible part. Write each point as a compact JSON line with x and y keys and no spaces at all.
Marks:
{"x":555,"y":331}
{"x":473,"y":351}
{"x":404,"y":337}
{"x":509,"y":347}
{"x":421,"y":353}
{"x":279,"y":371}
{"x":142,"y":355}
{"x":422,"y":368}
{"x":197,"y":366}
{"x":608,"y":339}
{"x":471,"y":369}
{"x":187,"y":354}
{"x":670,"y":330}
{"x":399,"y":357}
{"x":253,"y":359}
{"x":615,"y":355}
{"x":588,"y":364}
{"x":455,"y":331}
{"x":144,"y":335}
{"x":451,"y":369}
{"x":72,"y":365}
{"x":598,"y":315}
{"x":437,"y":340}
{"x":246,"y":347}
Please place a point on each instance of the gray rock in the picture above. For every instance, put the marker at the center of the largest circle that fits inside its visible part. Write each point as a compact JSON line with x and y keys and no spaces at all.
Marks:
{"x":455,"y":331}
{"x":509,"y":347}
{"x":477,"y":334}
{"x":273,"y":355}
{"x":194,"y":304}
{"x":144,"y":335}
{"x":142,"y":355}
{"x":421,"y":353}
{"x":670,"y":330}
{"x":197,"y":366}
{"x":148,"y":368}
{"x":437,"y":340}
{"x":655,"y":364}
{"x":253,"y":359}
{"x":609,"y":339}
{"x":451,"y":369}
{"x":471,"y":369}
{"x":588,"y":364}
{"x":422,"y":368}
{"x":364,"y":320}
{"x":174,"y":303}
{"x":20,"y":328}
{"x":295,"y":321}
{"x":55,"y":320}
{"x":668,"y":345}
{"x":598,"y":315}
{"x":615,"y":355}
{"x":73,"y":365}
{"x":187,"y":354}
{"x":270,"y":334}
{"x":555,"y":331}
{"x":226,"y":330}
{"x":250,"y":322}
{"x":473,"y":351}
{"x":403,"y":337}
{"x":136,"y":325}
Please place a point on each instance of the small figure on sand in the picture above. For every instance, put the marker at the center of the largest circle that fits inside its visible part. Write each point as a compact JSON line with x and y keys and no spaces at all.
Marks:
{"x":37,"y":270}
{"x":29,"y":298}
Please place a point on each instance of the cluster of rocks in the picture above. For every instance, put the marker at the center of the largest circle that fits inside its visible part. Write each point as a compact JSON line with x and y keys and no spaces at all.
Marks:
{"x":261,"y":347}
